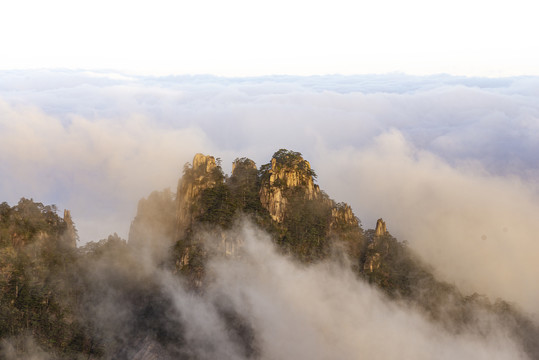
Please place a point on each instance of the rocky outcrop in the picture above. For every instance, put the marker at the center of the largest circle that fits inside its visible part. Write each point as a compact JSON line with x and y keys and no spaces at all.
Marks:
{"x":342,"y":214}
{"x":274,"y":201}
{"x":288,"y":172}
{"x":242,"y":165}
{"x":196,"y":178}
{"x":372,"y":263}
{"x":377,"y":248}
{"x":380,"y":228}
{"x":203,"y":174}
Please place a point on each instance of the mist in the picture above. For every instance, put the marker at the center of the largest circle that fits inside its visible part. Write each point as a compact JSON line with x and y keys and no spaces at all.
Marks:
{"x":259,"y":304}
{"x":448,"y":162}
{"x":476,"y":229}
{"x":323,"y":312}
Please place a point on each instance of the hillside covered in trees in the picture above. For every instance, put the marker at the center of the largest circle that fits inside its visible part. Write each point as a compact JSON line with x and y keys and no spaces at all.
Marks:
{"x":137,"y":298}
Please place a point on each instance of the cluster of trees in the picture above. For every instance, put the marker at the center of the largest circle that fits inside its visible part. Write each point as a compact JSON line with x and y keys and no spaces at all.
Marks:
{"x":231,"y":196}
{"x":62,"y":302}
{"x":304,"y":231}
{"x":284,"y":158}
{"x":37,"y":295}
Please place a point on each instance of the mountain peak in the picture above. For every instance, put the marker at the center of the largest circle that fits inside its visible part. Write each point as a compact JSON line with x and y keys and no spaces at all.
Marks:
{"x":204,"y":173}
{"x":287,"y":172}
{"x":242,"y":164}
{"x":381,"y":229}
{"x":204,"y":161}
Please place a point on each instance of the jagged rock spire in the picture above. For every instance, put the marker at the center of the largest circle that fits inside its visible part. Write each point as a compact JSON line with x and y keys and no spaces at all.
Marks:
{"x":288,"y":170}
{"x":201,"y":161}
{"x":196,"y":178}
{"x":380,"y":228}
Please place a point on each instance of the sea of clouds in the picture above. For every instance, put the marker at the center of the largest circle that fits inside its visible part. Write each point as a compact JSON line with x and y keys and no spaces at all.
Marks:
{"x":449,"y":162}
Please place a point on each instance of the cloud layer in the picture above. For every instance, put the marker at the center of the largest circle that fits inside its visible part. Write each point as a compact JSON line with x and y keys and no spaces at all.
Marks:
{"x":318,"y":312}
{"x":324,"y":312}
{"x":263,"y":305}
{"x":450,"y":163}
{"x":477,"y":229}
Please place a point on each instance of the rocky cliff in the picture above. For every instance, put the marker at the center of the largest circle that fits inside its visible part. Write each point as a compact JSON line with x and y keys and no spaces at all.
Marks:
{"x":99,"y":302}
{"x":377,"y":248}
{"x":286,"y":173}
{"x":281,"y":197}
{"x":202,"y":174}
{"x":380,"y":229}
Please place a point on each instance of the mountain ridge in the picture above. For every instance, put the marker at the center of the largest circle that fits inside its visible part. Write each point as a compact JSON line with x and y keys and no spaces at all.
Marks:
{"x":112,"y":299}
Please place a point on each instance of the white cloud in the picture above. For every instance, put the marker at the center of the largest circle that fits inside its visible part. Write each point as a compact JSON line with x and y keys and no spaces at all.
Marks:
{"x":477,"y":230}
{"x":95,"y":168}
{"x":319,"y":312}
{"x":444,"y":160}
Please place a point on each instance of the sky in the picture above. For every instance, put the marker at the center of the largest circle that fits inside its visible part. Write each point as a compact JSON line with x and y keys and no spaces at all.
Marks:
{"x":253,"y":38}
{"x":425,"y":114}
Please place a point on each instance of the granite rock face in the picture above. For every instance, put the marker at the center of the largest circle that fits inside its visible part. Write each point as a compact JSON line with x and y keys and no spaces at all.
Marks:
{"x":287,"y":173}
{"x":380,"y":229}
{"x":196,"y":178}
{"x":280,"y":197}
{"x":378,"y":248}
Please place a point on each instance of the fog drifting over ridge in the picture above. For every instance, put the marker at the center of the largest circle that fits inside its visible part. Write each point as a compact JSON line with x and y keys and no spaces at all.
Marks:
{"x":450,"y":163}
{"x":320,"y":312}
{"x":261,"y":304}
